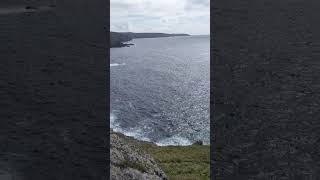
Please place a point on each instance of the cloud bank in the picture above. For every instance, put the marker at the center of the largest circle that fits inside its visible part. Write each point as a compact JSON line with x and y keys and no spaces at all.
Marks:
{"x":166,"y":16}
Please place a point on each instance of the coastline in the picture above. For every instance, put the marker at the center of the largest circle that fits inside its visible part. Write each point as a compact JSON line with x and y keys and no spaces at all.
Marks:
{"x":173,"y":162}
{"x":119,"y":39}
{"x":178,"y":161}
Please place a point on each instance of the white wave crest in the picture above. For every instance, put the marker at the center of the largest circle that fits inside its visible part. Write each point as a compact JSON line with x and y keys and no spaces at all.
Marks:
{"x":136,"y":133}
{"x":139,"y":134}
{"x":117,"y":64}
{"x":174,"y":141}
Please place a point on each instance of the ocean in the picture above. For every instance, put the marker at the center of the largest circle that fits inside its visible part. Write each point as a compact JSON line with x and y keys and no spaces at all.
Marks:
{"x":159,"y":90}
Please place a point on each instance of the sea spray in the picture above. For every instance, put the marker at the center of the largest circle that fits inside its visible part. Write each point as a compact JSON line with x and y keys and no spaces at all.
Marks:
{"x":136,"y":133}
{"x":139,"y":134}
{"x":117,"y":64}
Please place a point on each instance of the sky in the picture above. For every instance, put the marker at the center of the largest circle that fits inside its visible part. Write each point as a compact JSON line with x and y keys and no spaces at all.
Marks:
{"x":164,"y":16}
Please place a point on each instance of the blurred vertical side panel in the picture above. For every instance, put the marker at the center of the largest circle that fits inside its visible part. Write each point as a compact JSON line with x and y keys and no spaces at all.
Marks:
{"x":265,"y":70}
{"x":53,"y":89}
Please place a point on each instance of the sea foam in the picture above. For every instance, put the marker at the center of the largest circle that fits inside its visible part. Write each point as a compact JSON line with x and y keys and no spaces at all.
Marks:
{"x":174,"y":141}
{"x":136,"y":133}
{"x":117,"y":64}
{"x":139,"y":134}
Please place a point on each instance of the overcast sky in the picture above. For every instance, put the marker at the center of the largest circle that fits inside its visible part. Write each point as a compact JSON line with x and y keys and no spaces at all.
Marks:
{"x":165,"y":16}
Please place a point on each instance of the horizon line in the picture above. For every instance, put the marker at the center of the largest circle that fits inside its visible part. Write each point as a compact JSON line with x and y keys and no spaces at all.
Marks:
{"x":161,"y":33}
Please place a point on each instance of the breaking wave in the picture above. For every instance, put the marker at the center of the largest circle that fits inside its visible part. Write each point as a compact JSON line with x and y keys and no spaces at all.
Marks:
{"x":174,"y":141}
{"x":139,"y":134}
{"x":131,"y":132}
{"x":117,"y":64}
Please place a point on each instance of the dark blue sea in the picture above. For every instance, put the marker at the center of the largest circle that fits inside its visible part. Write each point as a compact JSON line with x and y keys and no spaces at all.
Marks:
{"x":160,"y":89}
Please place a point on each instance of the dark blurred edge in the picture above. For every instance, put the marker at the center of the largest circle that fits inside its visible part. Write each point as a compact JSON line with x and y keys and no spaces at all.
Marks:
{"x":265,"y":89}
{"x":54,"y":120}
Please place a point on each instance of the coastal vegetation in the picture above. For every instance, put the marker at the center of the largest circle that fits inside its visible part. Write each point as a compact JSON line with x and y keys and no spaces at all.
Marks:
{"x":182,"y":162}
{"x":134,"y":158}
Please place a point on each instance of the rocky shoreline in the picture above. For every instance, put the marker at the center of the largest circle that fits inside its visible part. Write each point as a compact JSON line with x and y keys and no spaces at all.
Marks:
{"x":129,"y":161}
{"x":136,"y":159}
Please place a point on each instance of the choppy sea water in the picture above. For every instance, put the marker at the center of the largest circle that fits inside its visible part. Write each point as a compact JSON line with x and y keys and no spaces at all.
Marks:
{"x":160,"y":90}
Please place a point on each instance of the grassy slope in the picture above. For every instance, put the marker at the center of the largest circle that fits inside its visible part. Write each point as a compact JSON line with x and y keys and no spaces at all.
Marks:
{"x":182,"y":162}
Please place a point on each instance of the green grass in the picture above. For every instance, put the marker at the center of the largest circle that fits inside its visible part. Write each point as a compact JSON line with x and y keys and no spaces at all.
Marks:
{"x":182,"y":162}
{"x":127,"y":164}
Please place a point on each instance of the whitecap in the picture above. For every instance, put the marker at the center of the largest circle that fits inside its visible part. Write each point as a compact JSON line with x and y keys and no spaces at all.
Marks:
{"x":117,"y":64}
{"x":136,"y":133}
{"x":174,"y":141}
{"x":139,"y":134}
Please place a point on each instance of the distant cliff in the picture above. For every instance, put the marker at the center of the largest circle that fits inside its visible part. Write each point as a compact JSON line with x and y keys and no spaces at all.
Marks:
{"x":117,"y":39}
{"x":153,"y":35}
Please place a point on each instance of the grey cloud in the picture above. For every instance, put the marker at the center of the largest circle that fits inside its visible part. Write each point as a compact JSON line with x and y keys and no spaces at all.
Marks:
{"x":197,"y":4}
{"x":200,"y":2}
{"x":168,"y":16}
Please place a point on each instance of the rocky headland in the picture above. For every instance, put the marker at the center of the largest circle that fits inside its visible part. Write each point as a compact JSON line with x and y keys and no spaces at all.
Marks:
{"x":118,"y":39}
{"x":129,"y":161}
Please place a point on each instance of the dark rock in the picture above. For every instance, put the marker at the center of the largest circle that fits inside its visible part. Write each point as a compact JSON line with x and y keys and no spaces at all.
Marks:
{"x":200,"y":143}
{"x":128,"y":161}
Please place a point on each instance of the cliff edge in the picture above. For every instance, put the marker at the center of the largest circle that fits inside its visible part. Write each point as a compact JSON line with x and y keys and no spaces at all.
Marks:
{"x":134,"y":159}
{"x":128,"y":161}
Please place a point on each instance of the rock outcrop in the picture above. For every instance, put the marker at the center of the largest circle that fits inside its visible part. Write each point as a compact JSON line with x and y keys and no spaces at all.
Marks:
{"x":117,"y":39}
{"x":128,"y":161}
